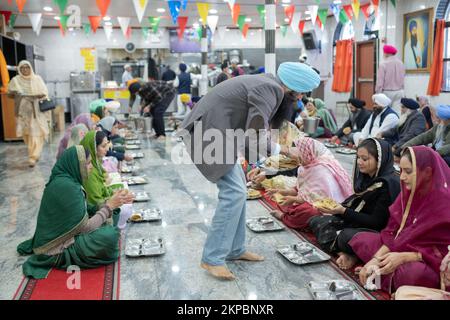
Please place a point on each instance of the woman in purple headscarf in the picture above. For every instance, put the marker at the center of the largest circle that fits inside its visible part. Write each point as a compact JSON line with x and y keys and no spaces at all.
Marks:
{"x":83,"y":118}
{"x":410,"y":249}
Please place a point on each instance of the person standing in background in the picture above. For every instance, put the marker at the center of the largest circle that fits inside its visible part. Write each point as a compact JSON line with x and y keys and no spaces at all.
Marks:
{"x":169,"y":74}
{"x":391,"y":77}
{"x":28,"y":89}
{"x":183,"y":82}
{"x":225,"y":75}
{"x":127,"y":75}
{"x":153,"y":73}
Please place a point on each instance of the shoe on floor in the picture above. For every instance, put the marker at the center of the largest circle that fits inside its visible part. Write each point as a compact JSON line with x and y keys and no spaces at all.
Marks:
{"x":219,"y":272}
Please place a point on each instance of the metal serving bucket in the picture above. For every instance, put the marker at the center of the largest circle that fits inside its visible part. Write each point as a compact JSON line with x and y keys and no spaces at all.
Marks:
{"x":148,"y":124}
{"x":310,"y":125}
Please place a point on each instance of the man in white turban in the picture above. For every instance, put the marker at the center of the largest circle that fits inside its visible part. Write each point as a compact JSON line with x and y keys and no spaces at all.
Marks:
{"x":382,"y":119}
{"x":127,"y":74}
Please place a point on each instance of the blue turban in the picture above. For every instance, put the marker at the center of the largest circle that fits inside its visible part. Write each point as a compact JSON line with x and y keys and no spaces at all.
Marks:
{"x":443,"y":112}
{"x":412,"y":25}
{"x":182,"y":67}
{"x":298,"y":77}
{"x":261,"y":70}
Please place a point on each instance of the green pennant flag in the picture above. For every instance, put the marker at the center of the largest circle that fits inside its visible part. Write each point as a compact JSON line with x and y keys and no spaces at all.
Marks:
{"x":262,"y":14}
{"x":323,"y":14}
{"x":154,"y":23}
{"x":241,"y":21}
{"x":284,"y":28}
{"x":63,"y":20}
{"x":62,"y":4}
{"x":318,"y":2}
{"x":145,"y":32}
{"x":343,"y":18}
{"x":87,"y":28}
{"x":199,"y":32}
{"x":393,"y":3}
{"x":12,"y":21}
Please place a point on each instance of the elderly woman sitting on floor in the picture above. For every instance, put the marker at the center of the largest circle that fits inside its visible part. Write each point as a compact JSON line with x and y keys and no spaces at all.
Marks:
{"x":65,"y":233}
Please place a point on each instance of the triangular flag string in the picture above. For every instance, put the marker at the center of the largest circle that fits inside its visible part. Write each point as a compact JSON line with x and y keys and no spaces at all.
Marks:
{"x":62,"y":4}
{"x":20,"y":4}
{"x":145,"y":32}
{"x":7,"y":15}
{"x":174,"y":8}
{"x":241,"y":21}
{"x":343,"y":18}
{"x":235,"y":12}
{"x":103,"y":6}
{"x":182,"y":21}
{"x":313,"y":10}
{"x":262,"y":14}
{"x":35,"y":19}
{"x":283,"y":29}
{"x":12,"y":20}
{"x":184,"y":4}
{"x":289,"y":12}
{"x":349,"y":11}
{"x":212,"y":23}
{"x":365,"y":10}
{"x":323,"y":14}
{"x":245,"y":30}
{"x":86,"y":28}
{"x":154,"y":23}
{"x":222,"y":30}
{"x":394,"y":3}
{"x":139,"y":7}
{"x":63,"y":20}
{"x":301,"y":26}
{"x":124,"y":23}
{"x":203,"y":11}
{"x":295,"y":21}
{"x":95,"y":22}
{"x":336,"y":10}
{"x":356,"y":6}
{"x":39,"y":28}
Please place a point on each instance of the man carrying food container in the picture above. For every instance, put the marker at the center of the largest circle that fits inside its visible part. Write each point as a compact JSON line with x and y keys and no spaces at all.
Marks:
{"x":230,"y":122}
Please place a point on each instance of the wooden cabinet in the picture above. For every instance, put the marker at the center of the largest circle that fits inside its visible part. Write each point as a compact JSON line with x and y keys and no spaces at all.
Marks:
{"x":8,"y":118}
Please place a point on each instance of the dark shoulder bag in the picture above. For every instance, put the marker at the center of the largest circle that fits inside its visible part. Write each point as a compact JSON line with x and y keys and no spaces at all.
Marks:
{"x":46,"y":105}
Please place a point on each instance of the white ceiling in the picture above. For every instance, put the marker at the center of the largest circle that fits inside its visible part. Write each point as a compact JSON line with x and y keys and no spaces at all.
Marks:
{"x":125,"y":8}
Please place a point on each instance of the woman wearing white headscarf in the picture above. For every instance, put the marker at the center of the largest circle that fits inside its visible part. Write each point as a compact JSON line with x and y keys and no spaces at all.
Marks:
{"x":32,"y":124}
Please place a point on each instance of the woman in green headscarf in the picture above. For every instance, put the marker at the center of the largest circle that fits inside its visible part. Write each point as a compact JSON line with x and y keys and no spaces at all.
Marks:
{"x":95,"y":185}
{"x":327,"y":125}
{"x":96,"y":108}
{"x":65,"y":235}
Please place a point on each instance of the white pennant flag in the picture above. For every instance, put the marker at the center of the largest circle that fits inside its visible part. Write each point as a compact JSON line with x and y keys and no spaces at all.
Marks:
{"x":212,"y":23}
{"x":35,"y":18}
{"x":295,"y":21}
{"x":108,"y":31}
{"x":38,"y":31}
{"x":140,"y":6}
{"x":124,"y":22}
{"x":336,"y":10}
{"x":313,"y":12}
{"x":222,"y":30}
{"x":231,"y":2}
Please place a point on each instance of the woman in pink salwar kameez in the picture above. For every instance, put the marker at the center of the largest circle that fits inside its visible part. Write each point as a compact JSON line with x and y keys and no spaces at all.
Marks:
{"x":410,"y":249}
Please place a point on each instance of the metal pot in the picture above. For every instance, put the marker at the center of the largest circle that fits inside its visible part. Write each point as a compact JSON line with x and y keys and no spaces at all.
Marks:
{"x":310,"y":125}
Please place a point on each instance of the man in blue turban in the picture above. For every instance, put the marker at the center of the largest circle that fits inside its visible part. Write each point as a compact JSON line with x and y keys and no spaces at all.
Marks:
{"x":228,"y":124}
{"x":414,"y":49}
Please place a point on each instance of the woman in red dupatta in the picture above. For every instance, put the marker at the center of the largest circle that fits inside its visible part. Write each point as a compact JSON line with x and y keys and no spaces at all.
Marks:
{"x":410,"y":249}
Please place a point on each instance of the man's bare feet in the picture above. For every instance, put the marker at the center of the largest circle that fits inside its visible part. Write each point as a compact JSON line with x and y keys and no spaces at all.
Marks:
{"x":220,"y":272}
{"x":346,"y":261}
{"x":277,"y":214}
{"x":250,"y":256}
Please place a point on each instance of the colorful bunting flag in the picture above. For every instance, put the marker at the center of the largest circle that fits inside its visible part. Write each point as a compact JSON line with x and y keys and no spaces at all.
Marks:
{"x":154,"y":23}
{"x":295,"y":21}
{"x":184,"y":4}
{"x":139,"y":7}
{"x":86,"y":28}
{"x":365,"y":10}
{"x":182,"y":21}
{"x":145,"y":32}
{"x":212,"y":23}
{"x":230,"y":4}
{"x":245,"y":30}
{"x":356,"y":6}
{"x":20,"y":4}
{"x":108,"y":31}
{"x":394,"y":3}
{"x":39,"y":28}
{"x":103,"y":6}
{"x":283,"y":29}
{"x":95,"y":22}
{"x":349,"y":11}
{"x":35,"y":19}
{"x":313,"y":10}
{"x":174,"y":8}
{"x":323,"y":14}
{"x":241,"y":21}
{"x":124,"y":23}
{"x":301,"y":26}
{"x":7,"y":15}
{"x":62,"y":4}
{"x":128,"y":33}
{"x":343,"y":18}
{"x":289,"y":12}
{"x":63,"y":21}
{"x":222,"y":30}
{"x":336,"y":10}
{"x":199,"y":32}
{"x":203,"y":11}
{"x":235,"y":13}
{"x":262,"y":14}
{"x":12,"y":20}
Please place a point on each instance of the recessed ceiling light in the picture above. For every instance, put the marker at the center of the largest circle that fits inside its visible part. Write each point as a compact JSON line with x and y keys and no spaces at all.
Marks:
{"x":108,"y":23}
{"x":307,"y":12}
{"x":286,"y":20}
{"x":56,"y":17}
{"x":161,"y":10}
{"x":213,"y":11}
{"x":106,"y":18}
{"x":248,"y":19}
{"x":286,"y":1}
{"x":48,"y":9}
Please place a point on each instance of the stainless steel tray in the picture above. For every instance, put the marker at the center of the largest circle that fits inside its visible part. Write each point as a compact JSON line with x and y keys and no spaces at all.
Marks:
{"x":334,"y":290}
{"x":128,"y":169}
{"x":332,"y":145}
{"x":134,"y":180}
{"x":137,"y":155}
{"x":132,"y":137}
{"x":263,"y":224}
{"x":147,"y":215}
{"x":303,"y":253}
{"x":346,"y":151}
{"x":132,"y":147}
{"x":141,"y":196}
{"x":134,"y":141}
{"x":144,"y":247}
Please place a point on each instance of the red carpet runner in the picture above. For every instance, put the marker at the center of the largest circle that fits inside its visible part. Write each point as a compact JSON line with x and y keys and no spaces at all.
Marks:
{"x":96,"y":284}
{"x":348,"y":274}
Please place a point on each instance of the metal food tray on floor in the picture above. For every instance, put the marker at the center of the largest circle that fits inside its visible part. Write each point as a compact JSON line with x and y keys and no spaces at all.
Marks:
{"x":303,"y":253}
{"x":134,"y":142}
{"x":129,"y":169}
{"x":334,"y":290}
{"x":135,"y":180}
{"x":146,"y":215}
{"x":144,"y":247}
{"x":131,"y":137}
{"x":332,"y":145}
{"x":132,"y":147}
{"x":137,"y":155}
{"x":346,"y":151}
{"x":141,"y":196}
{"x":263,"y":224}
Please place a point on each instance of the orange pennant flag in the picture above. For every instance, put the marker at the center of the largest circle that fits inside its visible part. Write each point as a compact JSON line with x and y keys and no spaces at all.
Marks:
{"x":235,"y":13}
{"x":20,"y":4}
{"x":103,"y":6}
{"x":245,"y":30}
{"x":95,"y":22}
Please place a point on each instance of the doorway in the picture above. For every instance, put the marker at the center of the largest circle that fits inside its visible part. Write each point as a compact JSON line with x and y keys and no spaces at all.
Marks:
{"x":366,"y":70}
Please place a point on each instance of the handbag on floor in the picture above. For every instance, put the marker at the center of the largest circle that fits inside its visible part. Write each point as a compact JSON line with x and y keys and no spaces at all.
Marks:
{"x":326,"y":228}
{"x":46,"y":105}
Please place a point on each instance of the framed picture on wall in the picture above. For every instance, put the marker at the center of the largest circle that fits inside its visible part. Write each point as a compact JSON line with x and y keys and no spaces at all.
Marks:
{"x":418,"y":40}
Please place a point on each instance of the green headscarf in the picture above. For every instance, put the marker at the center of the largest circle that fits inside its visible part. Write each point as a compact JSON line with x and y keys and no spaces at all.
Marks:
{"x":325,"y":115}
{"x":97,"y":192}
{"x":63,"y":206}
{"x":95,"y":104}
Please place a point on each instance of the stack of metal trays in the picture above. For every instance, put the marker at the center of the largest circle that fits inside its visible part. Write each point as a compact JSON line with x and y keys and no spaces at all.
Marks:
{"x":334,"y":290}
{"x":263,"y":224}
{"x":303,"y":253}
{"x":146,"y":215}
{"x":144,"y":247}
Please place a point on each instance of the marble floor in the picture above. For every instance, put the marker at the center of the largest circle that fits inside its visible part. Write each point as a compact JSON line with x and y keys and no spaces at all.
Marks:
{"x":187,"y":200}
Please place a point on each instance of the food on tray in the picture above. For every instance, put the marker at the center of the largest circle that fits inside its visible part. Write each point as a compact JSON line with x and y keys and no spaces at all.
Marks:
{"x":278,"y":197}
{"x":279,"y":182}
{"x":136,"y":217}
{"x":326,"y":203}
{"x":280,"y":162}
{"x":253,"y":194}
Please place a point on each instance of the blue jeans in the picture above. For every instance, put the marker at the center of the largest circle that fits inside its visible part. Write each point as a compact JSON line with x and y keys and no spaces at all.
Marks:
{"x":226,"y":236}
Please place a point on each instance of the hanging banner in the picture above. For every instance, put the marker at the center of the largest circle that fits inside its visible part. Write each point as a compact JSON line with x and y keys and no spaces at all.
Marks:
{"x":74,"y":13}
{"x":335,"y":9}
{"x":262,"y":14}
{"x":95,"y":22}
{"x":62,"y":4}
{"x":245,"y":30}
{"x":154,"y":22}
{"x":355,"y":6}
{"x":139,"y":7}
{"x":212,"y":23}
{"x":124,"y":23}
{"x":241,"y":21}
{"x":349,"y":11}
{"x":343,"y":18}
{"x":203,"y":9}
{"x":88,"y":54}
{"x":103,"y":6}
{"x":174,"y":8}
{"x":145,"y":32}
{"x":86,"y":28}
{"x":366,"y":10}
{"x":20,"y":4}
{"x":283,"y":29}
{"x":39,"y":28}
{"x":295,"y":21}
{"x":323,"y":14}
{"x":12,"y":20}
{"x":301,"y":26}
{"x":184,"y":4}
{"x":35,"y":18}
{"x":7,"y":15}
{"x":235,"y":13}
{"x":222,"y":30}
{"x":182,"y":21}
{"x":289,"y":12}
{"x":376,"y":3}
{"x":313,"y":10}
